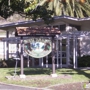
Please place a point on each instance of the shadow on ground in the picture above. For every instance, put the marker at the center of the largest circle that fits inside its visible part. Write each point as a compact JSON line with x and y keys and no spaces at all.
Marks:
{"x":74,"y":71}
{"x":33,"y":71}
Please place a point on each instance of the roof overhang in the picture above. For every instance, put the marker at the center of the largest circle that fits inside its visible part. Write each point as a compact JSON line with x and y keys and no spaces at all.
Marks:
{"x":40,"y":23}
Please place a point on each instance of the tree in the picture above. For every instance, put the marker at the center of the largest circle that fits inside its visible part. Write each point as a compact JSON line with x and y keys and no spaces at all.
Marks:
{"x":7,"y":7}
{"x":73,"y":8}
{"x":45,"y":9}
{"x":26,"y":8}
{"x":38,"y":9}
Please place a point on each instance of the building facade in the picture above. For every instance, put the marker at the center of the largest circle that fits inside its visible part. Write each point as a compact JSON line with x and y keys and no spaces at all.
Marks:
{"x":72,"y":42}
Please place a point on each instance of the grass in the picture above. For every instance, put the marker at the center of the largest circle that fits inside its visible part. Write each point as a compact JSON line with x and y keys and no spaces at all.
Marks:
{"x":40,"y":77}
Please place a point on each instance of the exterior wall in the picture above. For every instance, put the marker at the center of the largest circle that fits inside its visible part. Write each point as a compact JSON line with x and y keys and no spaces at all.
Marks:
{"x":12,"y":50}
{"x":84,"y":28}
{"x":85,"y":40}
{"x":85,"y":45}
{"x":2,"y":48}
{"x":2,"y":45}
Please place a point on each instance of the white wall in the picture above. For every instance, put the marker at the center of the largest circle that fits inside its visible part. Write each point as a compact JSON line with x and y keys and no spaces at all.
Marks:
{"x":85,"y":40}
{"x":12,"y":50}
{"x":85,"y":45}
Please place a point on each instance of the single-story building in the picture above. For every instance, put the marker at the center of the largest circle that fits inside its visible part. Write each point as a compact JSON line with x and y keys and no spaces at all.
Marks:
{"x":73,"y":40}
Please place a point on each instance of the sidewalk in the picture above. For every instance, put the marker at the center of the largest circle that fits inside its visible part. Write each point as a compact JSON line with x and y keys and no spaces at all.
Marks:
{"x":70,"y":86}
{"x":16,"y":87}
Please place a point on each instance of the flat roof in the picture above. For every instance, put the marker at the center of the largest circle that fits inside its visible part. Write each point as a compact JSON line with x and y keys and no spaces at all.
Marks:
{"x":40,"y":22}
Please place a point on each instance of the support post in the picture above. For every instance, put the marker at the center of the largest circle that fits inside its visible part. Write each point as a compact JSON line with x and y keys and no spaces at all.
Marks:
{"x":7,"y":46}
{"x":3,"y":50}
{"x":46,"y":61}
{"x":28,"y":61}
{"x":42,"y":61}
{"x":22,"y":70}
{"x":74,"y":53}
{"x":68,"y":53}
{"x":61,"y":52}
{"x":53,"y":59}
{"x":57,"y":53}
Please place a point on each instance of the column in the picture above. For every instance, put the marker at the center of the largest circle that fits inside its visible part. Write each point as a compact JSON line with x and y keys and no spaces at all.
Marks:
{"x":22,"y":65}
{"x":74,"y":53}
{"x":42,"y":62}
{"x":46,"y":61}
{"x":57,"y":52}
{"x":3,"y":50}
{"x":61,"y":52}
{"x":53,"y":59}
{"x":68,"y":52}
{"x":7,"y":46}
{"x":28,"y":61}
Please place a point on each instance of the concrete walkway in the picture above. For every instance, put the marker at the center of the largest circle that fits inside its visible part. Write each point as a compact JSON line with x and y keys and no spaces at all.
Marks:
{"x":16,"y":87}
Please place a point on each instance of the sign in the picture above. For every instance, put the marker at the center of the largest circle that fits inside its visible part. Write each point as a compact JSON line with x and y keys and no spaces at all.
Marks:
{"x":36,"y":31}
{"x":37,"y":47}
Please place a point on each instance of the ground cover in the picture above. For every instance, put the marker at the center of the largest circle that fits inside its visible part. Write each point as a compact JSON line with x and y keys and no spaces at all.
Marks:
{"x":41,"y":77}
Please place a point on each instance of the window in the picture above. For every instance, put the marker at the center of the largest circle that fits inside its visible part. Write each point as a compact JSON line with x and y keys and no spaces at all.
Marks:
{"x":76,"y":26}
{"x":62,"y":27}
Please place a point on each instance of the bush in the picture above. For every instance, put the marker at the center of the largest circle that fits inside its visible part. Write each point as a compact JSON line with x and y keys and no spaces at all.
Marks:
{"x":3,"y":64}
{"x":84,"y":61}
{"x":8,"y":63}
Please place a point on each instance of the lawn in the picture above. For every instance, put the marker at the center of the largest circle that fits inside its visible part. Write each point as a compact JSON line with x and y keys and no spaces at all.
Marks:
{"x":41,"y":77}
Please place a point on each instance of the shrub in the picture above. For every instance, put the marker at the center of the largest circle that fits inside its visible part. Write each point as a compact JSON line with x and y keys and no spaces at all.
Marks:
{"x":8,"y":63}
{"x":84,"y":61}
{"x":3,"y":63}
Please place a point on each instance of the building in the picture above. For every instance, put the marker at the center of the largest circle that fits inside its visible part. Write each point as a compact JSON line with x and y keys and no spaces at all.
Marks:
{"x":73,"y":41}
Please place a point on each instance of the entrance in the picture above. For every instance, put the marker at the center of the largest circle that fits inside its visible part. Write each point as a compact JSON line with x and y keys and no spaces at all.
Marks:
{"x":63,"y":53}
{"x":66,"y":51}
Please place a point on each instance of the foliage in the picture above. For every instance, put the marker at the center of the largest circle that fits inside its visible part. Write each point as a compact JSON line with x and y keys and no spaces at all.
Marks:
{"x":8,"y":63}
{"x":84,"y":61}
{"x":35,"y":11}
{"x":73,"y":8}
{"x":3,"y":63}
{"x":28,"y":9}
{"x":9,"y":8}
{"x":41,"y":12}
{"x":45,"y":9}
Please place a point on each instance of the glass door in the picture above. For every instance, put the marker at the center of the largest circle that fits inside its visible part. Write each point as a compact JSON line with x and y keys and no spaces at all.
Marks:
{"x":60,"y":55}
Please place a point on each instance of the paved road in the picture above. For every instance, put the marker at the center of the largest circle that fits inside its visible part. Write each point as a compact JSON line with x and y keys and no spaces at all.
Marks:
{"x":15,"y":87}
